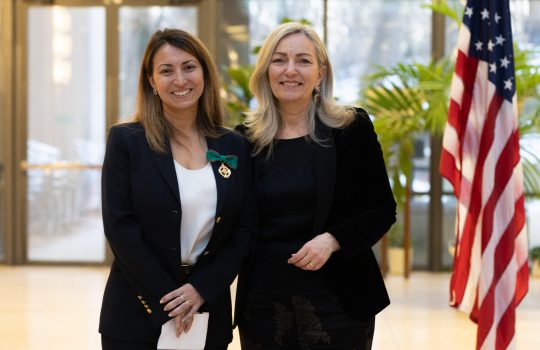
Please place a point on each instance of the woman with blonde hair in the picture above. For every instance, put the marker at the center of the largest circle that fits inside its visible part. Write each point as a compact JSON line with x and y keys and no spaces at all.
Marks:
{"x":177,"y":204}
{"x":311,"y":281}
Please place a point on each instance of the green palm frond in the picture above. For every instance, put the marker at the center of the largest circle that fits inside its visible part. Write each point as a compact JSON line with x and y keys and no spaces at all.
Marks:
{"x":238,"y":95}
{"x":531,"y":171}
{"x":454,"y":11}
{"x":406,"y":100}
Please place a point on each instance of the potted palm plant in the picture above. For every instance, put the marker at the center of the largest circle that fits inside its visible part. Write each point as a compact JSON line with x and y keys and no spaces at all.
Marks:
{"x":396,"y":252}
{"x":407,"y":100}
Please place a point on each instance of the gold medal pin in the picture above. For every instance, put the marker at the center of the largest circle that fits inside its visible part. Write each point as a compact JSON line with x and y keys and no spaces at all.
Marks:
{"x":224,"y":171}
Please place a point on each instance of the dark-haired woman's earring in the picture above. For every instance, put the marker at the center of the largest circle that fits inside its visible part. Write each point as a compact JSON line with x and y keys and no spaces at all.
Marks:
{"x":317,"y":96}
{"x":155,"y":91}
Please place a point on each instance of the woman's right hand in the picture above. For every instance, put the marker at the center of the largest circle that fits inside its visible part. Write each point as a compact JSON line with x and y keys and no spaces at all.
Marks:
{"x":315,"y":253}
{"x":182,"y":304}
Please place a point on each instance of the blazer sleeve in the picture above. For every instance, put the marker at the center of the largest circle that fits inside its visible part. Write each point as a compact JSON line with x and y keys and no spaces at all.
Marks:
{"x":369,"y":209}
{"x":137,"y":261}
{"x":214,"y":277}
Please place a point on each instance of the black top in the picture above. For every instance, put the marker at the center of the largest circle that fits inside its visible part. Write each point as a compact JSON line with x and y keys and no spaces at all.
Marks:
{"x":286,"y":195}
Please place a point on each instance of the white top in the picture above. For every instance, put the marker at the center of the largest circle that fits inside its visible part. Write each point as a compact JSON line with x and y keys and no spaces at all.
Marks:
{"x":198,"y":197}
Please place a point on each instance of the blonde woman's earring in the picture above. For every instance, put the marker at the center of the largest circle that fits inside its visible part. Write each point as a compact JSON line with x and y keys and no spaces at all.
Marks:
{"x":317,"y":96}
{"x":155,"y":91}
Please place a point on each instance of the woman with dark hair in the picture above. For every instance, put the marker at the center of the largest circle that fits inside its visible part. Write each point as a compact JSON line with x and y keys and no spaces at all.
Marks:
{"x":324,"y":199}
{"x":177,"y":202}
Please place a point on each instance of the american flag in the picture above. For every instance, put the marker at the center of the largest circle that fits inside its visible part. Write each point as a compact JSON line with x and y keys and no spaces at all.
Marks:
{"x":481,"y":159}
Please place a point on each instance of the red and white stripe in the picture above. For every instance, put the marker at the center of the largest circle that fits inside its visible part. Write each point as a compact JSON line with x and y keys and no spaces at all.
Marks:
{"x":481,"y":159}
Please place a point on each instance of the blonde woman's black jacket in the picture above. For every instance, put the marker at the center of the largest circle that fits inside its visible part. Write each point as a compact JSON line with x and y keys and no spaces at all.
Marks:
{"x":142,"y":216}
{"x":355,"y":204}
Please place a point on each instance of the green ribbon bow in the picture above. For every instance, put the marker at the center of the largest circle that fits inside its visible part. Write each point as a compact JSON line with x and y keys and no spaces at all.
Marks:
{"x":230,"y":160}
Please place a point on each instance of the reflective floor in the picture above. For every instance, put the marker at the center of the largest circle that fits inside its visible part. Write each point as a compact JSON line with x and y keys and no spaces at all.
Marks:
{"x":58,"y":308}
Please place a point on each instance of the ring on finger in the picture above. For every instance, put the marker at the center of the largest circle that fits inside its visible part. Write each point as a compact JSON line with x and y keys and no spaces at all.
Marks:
{"x":182,"y":297}
{"x":311,"y":264}
{"x":187,"y":302}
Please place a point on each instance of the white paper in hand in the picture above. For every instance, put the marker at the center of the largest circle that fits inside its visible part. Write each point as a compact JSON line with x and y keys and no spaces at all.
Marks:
{"x":192,"y":340}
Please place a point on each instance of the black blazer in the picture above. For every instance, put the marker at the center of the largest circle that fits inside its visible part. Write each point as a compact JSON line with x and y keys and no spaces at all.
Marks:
{"x":142,"y":216}
{"x":355,"y":204}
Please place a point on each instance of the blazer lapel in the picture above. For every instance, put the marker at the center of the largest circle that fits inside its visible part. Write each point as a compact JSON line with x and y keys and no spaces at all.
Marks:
{"x":222,"y":183}
{"x":325,"y":179}
{"x":165,"y":164}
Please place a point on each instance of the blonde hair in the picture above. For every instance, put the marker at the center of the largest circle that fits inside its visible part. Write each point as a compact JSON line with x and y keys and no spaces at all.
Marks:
{"x":265,"y":121}
{"x":149,"y":109}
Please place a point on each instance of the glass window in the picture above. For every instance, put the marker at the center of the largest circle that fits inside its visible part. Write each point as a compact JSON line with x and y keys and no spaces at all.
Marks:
{"x":419,"y":232}
{"x":66,"y":133}
{"x":233,"y":49}
{"x":449,"y":203}
{"x":526,"y":22}
{"x":421,"y":164}
{"x":137,"y":24}
{"x":363,"y":34}
{"x":447,"y":186}
{"x":532,"y":207}
{"x":451,"y":33}
{"x":265,"y":15}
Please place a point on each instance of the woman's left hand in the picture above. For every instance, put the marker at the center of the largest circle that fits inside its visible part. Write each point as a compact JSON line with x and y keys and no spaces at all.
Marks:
{"x":315,"y":253}
{"x":182,"y":303}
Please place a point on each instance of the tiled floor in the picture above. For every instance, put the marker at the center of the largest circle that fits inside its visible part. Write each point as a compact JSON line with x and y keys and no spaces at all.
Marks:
{"x":58,"y":308}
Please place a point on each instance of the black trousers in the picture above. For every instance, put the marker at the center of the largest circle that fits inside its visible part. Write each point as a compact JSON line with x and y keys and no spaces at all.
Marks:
{"x":108,"y":343}
{"x":301,"y":323}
